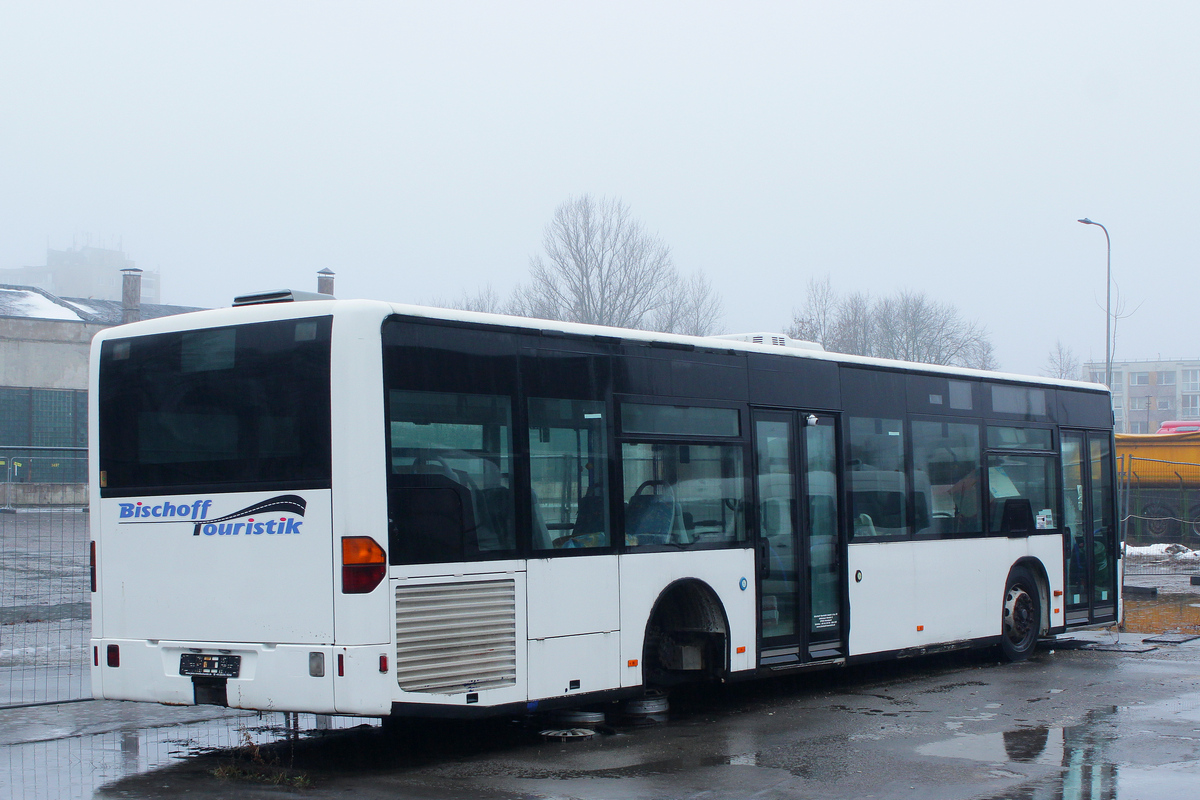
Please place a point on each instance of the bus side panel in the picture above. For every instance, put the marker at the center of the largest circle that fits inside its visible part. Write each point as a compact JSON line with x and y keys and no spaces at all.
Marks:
{"x":569,"y":596}
{"x":644,"y":576}
{"x":882,"y":596}
{"x":919,"y":593}
{"x":574,"y":645}
{"x":359,"y":461}
{"x":960,"y":584}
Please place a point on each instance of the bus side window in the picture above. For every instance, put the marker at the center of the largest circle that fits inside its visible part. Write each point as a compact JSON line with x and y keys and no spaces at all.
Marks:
{"x":450,"y":495}
{"x":681,"y":494}
{"x":568,"y":467}
{"x":877,"y":480}
{"x":947,"y":490}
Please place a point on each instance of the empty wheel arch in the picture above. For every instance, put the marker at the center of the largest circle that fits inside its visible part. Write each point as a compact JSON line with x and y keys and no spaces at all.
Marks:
{"x":687,"y":636}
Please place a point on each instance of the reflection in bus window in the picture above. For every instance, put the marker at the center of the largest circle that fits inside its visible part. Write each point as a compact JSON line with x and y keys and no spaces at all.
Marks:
{"x":1023,"y":492}
{"x":946,"y":470}
{"x":450,"y":492}
{"x":683,"y":494}
{"x":567,"y":465}
{"x":878,"y":486}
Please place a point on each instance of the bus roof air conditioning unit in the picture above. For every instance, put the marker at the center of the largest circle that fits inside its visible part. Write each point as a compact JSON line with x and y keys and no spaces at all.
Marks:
{"x":775,"y":339}
{"x":278,"y":296}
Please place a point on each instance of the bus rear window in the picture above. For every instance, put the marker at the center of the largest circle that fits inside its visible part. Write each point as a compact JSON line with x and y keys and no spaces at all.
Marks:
{"x":244,"y":406}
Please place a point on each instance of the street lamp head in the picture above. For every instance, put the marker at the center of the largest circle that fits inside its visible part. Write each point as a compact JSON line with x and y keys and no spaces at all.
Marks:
{"x":1085,"y":221}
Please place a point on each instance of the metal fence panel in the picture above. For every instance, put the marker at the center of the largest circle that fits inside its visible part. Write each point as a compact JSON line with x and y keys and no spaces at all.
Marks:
{"x":45,"y":602}
{"x":1160,"y":516}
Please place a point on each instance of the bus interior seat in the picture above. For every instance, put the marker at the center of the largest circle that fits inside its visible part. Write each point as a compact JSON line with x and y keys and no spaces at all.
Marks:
{"x":1017,"y":516}
{"x":590,"y":518}
{"x":589,"y":529}
{"x":542,"y":538}
{"x":497,"y":529}
{"x":864,"y":526}
{"x":649,"y":519}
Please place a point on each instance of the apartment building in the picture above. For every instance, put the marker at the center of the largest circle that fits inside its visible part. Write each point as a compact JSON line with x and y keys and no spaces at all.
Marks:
{"x":1148,"y":393}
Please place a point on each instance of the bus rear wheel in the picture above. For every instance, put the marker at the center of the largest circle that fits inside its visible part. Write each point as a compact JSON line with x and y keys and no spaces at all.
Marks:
{"x":1022,"y":615}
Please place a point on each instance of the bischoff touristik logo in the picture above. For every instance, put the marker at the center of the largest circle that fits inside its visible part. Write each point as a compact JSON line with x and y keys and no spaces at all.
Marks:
{"x":240,"y":523}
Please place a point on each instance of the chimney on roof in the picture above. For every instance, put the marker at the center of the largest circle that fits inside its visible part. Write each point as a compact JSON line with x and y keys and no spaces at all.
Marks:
{"x":325,"y":281}
{"x":131,"y":295}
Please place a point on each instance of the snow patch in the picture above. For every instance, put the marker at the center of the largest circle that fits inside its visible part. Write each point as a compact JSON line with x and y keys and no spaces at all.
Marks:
{"x":1176,"y":552}
{"x":31,"y":304}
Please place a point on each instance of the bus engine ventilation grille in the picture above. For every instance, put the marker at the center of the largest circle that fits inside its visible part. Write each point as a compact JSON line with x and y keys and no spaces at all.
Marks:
{"x":456,"y":637}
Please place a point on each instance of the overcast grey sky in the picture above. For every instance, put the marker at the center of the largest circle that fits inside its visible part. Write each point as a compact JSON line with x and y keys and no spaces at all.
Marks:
{"x":419,"y":149}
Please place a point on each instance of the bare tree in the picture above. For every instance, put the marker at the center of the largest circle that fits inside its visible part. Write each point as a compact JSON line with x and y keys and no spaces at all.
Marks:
{"x":485,"y":300}
{"x":692,"y":308}
{"x":816,"y":321}
{"x":981,"y":356}
{"x":601,"y":266}
{"x":854,"y":326}
{"x":1061,"y":363}
{"x":907,"y":325}
{"x":912,"y":327}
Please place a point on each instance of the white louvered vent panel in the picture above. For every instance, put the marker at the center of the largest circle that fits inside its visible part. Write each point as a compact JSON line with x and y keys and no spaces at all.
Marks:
{"x":456,"y":637}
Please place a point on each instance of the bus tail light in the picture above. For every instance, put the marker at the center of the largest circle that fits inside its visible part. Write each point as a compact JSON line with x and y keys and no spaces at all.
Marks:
{"x":363,"y":564}
{"x":114,"y":655}
{"x":92,"y":563}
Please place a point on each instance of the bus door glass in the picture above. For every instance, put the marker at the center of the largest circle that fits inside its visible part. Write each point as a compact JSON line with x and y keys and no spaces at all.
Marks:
{"x":799,"y":574}
{"x":1089,"y":534}
{"x":824,"y":544}
{"x":1103,"y":528}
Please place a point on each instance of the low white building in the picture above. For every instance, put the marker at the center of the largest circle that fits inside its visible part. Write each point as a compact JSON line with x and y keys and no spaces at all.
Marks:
{"x":44,"y":345}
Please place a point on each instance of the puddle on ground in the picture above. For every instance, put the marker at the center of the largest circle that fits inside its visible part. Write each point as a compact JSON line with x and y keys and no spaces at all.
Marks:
{"x":78,"y":766}
{"x":1173,"y":613}
{"x":1087,"y":770}
{"x":1079,"y":750}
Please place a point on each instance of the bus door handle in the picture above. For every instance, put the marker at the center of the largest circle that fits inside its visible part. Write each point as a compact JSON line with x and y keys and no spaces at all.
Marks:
{"x":764,"y":559}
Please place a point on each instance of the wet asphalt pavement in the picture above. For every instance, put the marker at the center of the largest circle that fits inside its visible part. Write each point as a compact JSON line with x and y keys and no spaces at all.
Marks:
{"x":1070,"y":723}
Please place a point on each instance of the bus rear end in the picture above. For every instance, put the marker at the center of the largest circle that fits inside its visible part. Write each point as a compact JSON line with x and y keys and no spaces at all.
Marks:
{"x":215,"y":563}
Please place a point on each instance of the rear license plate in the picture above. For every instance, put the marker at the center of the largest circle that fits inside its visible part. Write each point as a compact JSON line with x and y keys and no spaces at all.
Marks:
{"x":210,"y":666}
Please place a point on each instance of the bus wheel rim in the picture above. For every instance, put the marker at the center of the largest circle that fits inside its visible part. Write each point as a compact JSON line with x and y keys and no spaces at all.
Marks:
{"x":1018,"y":615}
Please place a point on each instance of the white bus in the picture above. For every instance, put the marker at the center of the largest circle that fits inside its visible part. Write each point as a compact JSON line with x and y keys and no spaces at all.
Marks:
{"x":362,"y":508}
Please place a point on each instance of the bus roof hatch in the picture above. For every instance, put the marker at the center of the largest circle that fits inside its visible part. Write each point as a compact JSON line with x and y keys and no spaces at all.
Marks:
{"x":278,"y":296}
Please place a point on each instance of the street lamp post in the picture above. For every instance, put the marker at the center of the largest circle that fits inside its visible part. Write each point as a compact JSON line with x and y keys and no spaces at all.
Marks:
{"x":1107,"y":304}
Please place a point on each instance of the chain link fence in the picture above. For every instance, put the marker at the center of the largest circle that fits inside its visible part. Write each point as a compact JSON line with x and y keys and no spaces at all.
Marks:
{"x":45,"y":603}
{"x":1160,"y":515}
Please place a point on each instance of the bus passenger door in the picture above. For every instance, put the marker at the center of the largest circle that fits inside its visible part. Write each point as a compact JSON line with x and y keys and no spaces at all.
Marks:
{"x":1089,"y":527}
{"x":799,"y":544}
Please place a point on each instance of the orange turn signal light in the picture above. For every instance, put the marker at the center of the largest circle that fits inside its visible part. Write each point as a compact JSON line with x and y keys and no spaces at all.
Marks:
{"x":364,"y":563}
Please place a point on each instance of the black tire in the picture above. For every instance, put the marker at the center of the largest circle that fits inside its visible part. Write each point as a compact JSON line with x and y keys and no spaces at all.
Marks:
{"x":1021,"y":619}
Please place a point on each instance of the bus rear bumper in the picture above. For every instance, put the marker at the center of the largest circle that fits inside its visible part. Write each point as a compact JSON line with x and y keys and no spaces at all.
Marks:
{"x":268,"y":677}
